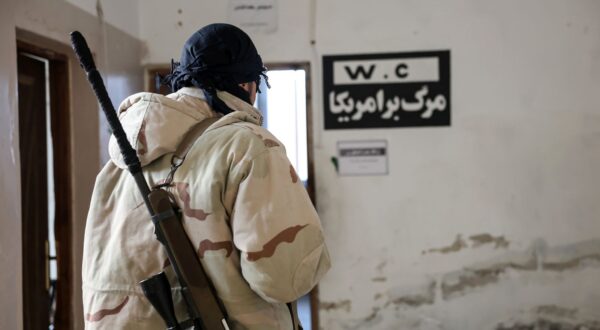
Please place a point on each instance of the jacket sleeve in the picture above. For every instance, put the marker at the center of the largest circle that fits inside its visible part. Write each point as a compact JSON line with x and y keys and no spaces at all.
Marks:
{"x":277,"y":230}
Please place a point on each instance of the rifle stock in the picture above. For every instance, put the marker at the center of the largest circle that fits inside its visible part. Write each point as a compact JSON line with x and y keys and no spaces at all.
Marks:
{"x":158,"y":291}
{"x":183,"y":258}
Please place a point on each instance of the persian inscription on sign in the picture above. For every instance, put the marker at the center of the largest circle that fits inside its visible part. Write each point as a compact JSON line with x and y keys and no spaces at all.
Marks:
{"x":254,"y":15}
{"x":367,"y":157}
{"x":387,"y":90}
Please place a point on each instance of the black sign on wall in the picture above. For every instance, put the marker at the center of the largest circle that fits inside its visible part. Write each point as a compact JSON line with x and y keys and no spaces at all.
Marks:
{"x":387,"y":90}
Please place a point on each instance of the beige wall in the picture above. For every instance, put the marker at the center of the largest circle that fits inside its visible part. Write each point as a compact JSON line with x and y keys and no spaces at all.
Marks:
{"x":10,"y":189}
{"x":117,"y":52}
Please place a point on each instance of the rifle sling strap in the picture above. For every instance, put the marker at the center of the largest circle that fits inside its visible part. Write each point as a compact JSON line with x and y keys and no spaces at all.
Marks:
{"x":188,"y":140}
{"x":184,"y":147}
{"x":293,"y":307}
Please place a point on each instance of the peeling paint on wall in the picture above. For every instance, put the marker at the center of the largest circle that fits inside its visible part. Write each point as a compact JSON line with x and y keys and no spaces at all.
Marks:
{"x":556,"y":311}
{"x":542,"y":324}
{"x":458,"y":245}
{"x":475,"y":276}
{"x":345,"y":305}
{"x":482,"y":239}
{"x":403,"y":320}
{"x":423,"y":295}
{"x":381,"y":266}
{"x":583,"y":261}
{"x":373,"y":315}
{"x":482,"y":274}
{"x":549,"y":317}
{"x":369,"y":322}
{"x":429,"y":292}
{"x":536,"y":258}
{"x":476,"y":241}
{"x":396,"y":299}
{"x":572,"y":256}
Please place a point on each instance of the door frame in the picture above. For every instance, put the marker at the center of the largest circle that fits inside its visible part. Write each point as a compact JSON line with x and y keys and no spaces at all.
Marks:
{"x":310,"y":184}
{"x":60,"y":119}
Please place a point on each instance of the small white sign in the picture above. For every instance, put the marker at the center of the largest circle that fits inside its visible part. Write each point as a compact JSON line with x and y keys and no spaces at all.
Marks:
{"x":362,"y":157}
{"x":254,"y":15}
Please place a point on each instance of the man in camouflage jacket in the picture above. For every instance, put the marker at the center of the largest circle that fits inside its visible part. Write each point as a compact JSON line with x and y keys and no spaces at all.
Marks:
{"x":244,"y":209}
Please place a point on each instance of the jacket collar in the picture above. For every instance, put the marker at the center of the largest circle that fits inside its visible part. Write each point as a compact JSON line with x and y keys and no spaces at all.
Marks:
{"x":237,"y":104}
{"x":193,"y":92}
{"x":233,"y":102}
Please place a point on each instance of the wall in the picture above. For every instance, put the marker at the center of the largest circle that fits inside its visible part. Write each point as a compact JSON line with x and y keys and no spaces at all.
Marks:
{"x":496,"y":224}
{"x":122,"y":15}
{"x":164,"y":27}
{"x":10,"y":189}
{"x":118,"y":58}
{"x":496,"y":221}
{"x":117,"y":55}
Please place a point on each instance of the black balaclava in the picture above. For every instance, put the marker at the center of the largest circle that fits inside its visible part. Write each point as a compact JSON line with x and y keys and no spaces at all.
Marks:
{"x":217,"y":57}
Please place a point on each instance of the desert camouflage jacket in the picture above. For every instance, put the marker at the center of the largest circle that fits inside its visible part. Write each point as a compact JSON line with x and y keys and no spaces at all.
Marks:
{"x":244,"y":208}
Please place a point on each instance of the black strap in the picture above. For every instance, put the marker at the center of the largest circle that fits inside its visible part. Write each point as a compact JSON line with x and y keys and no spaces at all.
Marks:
{"x":163,"y":216}
{"x":184,"y":147}
{"x":293,"y":308}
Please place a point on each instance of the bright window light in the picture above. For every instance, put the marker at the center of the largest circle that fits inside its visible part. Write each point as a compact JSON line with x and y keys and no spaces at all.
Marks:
{"x":284,"y":109}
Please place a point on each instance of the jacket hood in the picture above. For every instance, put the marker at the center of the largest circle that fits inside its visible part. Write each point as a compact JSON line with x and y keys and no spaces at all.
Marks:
{"x":156,"y":124}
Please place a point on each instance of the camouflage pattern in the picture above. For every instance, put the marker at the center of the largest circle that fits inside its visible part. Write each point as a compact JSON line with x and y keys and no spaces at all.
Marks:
{"x":243,"y":206}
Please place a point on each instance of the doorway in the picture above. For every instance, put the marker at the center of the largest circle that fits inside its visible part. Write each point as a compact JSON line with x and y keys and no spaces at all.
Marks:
{"x":286,"y":112}
{"x":44,"y":144}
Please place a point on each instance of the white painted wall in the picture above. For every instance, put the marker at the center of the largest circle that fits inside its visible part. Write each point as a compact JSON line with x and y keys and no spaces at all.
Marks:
{"x":121,"y":14}
{"x":519,"y":161}
{"x":165,"y":26}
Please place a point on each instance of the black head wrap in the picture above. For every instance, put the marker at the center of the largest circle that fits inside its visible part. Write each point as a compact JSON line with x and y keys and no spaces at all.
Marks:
{"x":217,"y":57}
